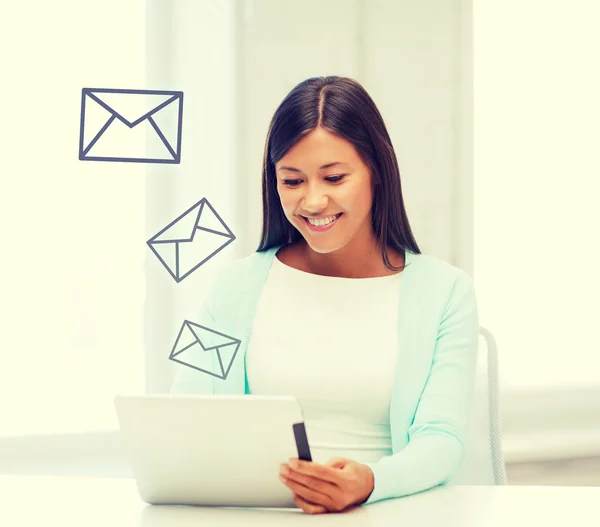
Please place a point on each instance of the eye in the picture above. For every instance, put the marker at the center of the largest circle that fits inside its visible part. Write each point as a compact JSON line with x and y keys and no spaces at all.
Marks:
{"x":291,"y":182}
{"x":335,"y":179}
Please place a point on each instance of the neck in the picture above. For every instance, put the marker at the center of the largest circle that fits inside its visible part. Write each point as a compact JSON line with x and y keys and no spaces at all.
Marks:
{"x":348,"y":262}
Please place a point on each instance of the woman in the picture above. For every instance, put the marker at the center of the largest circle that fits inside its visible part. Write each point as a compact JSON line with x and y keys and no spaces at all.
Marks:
{"x":339,"y":308}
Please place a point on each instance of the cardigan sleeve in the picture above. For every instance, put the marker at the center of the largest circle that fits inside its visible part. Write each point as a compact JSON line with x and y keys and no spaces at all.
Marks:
{"x":436,"y":445}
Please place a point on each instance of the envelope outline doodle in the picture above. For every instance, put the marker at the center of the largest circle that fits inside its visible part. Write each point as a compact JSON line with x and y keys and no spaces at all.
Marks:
{"x":175,"y":152}
{"x":221,"y":342}
{"x":177,"y":242}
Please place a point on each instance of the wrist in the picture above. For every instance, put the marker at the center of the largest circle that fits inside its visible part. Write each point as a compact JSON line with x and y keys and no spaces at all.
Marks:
{"x":370,"y":477}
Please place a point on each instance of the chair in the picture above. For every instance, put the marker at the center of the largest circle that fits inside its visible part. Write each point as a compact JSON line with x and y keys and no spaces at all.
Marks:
{"x":484,"y":462}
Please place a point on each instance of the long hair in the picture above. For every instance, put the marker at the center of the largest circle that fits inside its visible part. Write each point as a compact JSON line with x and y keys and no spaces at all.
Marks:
{"x":341,"y":106}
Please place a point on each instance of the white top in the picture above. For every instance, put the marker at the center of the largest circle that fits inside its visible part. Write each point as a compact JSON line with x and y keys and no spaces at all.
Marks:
{"x":331,"y":343}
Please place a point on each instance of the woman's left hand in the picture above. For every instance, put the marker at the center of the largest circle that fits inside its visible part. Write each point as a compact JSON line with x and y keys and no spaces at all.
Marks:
{"x":333,"y":487}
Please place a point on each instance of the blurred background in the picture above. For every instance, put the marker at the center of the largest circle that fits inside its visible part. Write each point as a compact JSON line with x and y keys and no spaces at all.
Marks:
{"x":494,"y":114}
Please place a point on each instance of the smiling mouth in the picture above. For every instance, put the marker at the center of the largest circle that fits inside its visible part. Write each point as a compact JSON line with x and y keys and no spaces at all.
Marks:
{"x":321,"y":223}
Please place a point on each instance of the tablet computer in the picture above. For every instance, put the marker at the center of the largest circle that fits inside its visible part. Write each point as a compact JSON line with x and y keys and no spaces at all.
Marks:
{"x":214,"y":450}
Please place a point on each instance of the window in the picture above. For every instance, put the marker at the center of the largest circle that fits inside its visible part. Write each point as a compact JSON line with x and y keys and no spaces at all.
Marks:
{"x":537,"y":182}
{"x":74,"y":232}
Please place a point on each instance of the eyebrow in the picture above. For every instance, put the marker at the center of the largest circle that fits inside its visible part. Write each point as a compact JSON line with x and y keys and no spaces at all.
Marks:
{"x":328,"y":165}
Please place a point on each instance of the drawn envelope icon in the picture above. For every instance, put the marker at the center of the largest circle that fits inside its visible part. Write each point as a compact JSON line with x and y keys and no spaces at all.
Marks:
{"x":190,"y":240}
{"x":205,"y":349}
{"x":138,"y":126}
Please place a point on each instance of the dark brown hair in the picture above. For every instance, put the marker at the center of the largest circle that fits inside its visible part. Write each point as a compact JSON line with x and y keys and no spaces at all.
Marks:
{"x":341,"y":106}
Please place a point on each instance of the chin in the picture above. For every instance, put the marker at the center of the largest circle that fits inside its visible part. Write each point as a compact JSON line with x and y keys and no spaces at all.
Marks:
{"x":324,"y":248}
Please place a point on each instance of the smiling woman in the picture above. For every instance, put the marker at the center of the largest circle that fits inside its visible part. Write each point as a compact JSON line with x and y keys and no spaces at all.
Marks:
{"x":325,"y":173}
{"x":338,"y":308}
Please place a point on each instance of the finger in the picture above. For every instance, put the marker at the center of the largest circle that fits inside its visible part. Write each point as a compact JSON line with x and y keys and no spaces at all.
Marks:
{"x":315,"y":484}
{"x":307,"y":507}
{"x":316,"y":470}
{"x":310,"y":495}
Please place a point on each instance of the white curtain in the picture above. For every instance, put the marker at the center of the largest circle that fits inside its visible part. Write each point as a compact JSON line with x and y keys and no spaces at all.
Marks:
{"x":536,"y":259}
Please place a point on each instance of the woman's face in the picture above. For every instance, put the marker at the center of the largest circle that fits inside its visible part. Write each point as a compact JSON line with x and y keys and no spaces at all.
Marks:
{"x":329,"y":205}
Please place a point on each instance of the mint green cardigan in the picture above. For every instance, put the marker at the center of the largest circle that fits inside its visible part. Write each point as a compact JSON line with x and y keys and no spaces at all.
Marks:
{"x":438,"y":331}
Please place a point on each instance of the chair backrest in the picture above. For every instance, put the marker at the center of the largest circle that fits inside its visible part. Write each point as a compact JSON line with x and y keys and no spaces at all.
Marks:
{"x":484,"y":462}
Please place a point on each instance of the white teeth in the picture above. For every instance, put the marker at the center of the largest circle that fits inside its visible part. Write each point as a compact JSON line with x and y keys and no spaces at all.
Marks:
{"x":320,"y":222}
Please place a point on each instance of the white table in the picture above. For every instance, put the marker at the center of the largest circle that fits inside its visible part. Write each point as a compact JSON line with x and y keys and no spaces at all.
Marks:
{"x":89,"y":502}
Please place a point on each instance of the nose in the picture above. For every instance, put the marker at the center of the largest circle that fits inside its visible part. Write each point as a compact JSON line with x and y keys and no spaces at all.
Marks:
{"x":315,"y":199}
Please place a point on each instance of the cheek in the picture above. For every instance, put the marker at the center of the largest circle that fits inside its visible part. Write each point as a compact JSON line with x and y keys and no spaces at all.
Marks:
{"x":288,"y":204}
{"x":367,"y":201}
{"x":358,"y":200}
